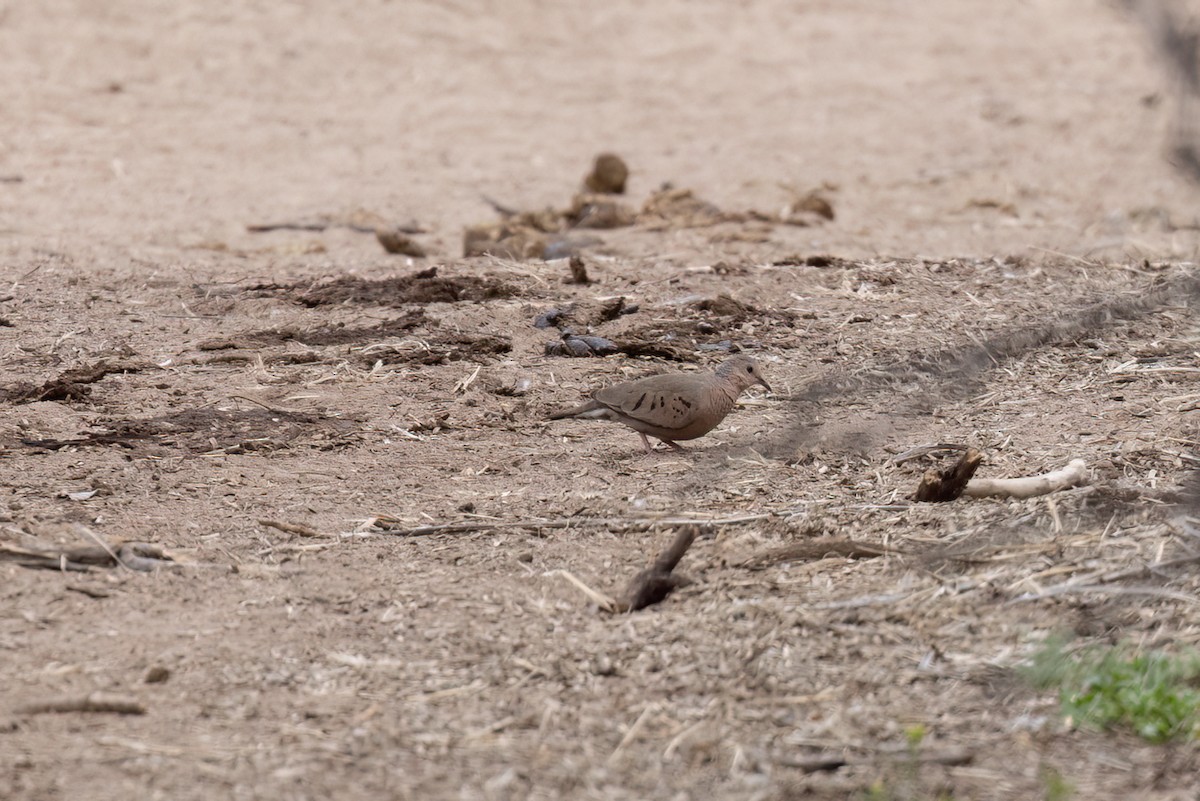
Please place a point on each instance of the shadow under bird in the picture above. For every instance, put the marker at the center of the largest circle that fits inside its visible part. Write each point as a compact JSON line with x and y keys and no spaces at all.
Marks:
{"x":672,"y":406}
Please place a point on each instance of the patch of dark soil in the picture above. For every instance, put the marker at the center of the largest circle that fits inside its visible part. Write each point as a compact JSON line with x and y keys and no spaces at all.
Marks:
{"x":206,"y":430}
{"x":321,"y":335}
{"x":423,"y":287}
{"x":816,"y":260}
{"x":587,"y":346}
{"x":450,"y":347}
{"x":73,"y":384}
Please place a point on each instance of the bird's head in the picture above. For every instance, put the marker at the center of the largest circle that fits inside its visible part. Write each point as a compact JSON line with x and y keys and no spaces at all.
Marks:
{"x":742,"y":372}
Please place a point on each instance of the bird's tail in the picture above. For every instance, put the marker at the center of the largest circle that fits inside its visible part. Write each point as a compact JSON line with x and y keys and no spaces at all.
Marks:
{"x":575,"y":411}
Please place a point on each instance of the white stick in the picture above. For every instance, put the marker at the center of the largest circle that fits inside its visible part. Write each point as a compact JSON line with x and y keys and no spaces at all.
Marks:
{"x":1072,"y":475}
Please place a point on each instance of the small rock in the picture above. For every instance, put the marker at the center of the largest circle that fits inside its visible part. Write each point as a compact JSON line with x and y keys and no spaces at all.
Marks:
{"x":398,"y":242}
{"x":581,"y":346}
{"x":608,"y":174}
{"x":157,"y":675}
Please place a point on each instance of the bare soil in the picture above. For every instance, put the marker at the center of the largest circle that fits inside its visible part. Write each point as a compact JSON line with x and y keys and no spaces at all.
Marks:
{"x":1009,"y":266}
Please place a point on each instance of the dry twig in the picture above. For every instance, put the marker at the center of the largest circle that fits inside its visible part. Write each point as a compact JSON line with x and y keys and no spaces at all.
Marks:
{"x":92,"y":702}
{"x":1073,"y":474}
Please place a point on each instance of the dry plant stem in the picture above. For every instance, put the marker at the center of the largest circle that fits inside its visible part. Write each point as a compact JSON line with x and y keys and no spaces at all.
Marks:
{"x":93,"y":702}
{"x":1072,"y":475}
{"x":570,"y":522}
{"x":948,"y":485}
{"x":605,"y":602}
{"x":291,"y":528}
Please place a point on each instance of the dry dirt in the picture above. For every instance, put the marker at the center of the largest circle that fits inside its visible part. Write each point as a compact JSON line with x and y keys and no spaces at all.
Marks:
{"x":172,"y":378}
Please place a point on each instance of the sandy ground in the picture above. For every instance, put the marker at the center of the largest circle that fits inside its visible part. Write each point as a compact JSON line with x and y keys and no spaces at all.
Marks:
{"x":997,"y":173}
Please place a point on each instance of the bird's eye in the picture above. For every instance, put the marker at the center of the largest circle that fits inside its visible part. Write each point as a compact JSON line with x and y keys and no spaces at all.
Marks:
{"x":749,"y":369}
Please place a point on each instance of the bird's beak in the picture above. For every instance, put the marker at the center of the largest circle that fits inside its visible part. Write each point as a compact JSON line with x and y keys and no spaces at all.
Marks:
{"x":764,"y":383}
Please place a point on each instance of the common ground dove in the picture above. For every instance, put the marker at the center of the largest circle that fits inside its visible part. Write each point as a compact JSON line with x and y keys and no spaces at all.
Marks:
{"x":672,"y":406}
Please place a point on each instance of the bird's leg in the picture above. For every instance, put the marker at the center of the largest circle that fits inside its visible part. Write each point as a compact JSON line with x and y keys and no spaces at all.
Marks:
{"x":675,"y":446}
{"x":646,"y":442}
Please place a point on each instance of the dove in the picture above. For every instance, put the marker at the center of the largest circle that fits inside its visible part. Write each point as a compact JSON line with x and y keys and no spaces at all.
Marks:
{"x":672,"y":406}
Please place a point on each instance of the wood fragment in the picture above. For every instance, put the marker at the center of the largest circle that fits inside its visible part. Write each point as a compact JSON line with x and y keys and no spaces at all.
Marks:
{"x":579,"y":273}
{"x":947,"y":485}
{"x":92,"y":702}
{"x":1074,"y":474}
{"x":655,"y":583}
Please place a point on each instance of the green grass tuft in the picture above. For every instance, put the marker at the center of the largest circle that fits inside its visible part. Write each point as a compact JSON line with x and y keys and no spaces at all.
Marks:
{"x":1153,"y":693}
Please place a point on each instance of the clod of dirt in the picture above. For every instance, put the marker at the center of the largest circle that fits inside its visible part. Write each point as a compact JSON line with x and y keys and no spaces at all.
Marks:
{"x":504,"y":242}
{"x":808,"y":209}
{"x":724,"y":305}
{"x":157,"y":675}
{"x":672,"y":207}
{"x":396,"y":241}
{"x":599,"y":211}
{"x":608,"y":176}
{"x":552,"y":317}
{"x":579,"y":273}
{"x":547,"y":220}
{"x":401,"y":290}
{"x":73,"y":384}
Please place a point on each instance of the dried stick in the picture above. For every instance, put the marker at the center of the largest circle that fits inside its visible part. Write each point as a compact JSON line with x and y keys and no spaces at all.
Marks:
{"x":92,"y":702}
{"x":1073,"y":474}
{"x":655,"y":583}
{"x":567,"y":522}
{"x":822,"y":762}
